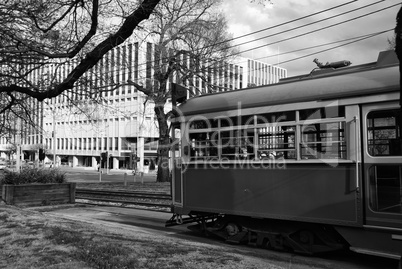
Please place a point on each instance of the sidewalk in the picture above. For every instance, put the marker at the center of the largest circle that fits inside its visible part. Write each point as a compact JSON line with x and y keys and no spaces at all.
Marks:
{"x":88,"y":174}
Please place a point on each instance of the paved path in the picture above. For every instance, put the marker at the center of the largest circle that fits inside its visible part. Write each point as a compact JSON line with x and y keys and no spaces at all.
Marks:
{"x":118,"y":216}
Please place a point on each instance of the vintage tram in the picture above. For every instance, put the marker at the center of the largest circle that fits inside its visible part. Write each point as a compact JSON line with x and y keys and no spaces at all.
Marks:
{"x":310,"y":164}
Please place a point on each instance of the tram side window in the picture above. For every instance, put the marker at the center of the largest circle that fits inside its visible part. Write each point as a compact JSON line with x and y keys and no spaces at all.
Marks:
{"x":276,"y":117}
{"x":276,"y":142}
{"x":385,"y":188}
{"x":238,"y":144}
{"x":235,"y":121}
{"x":204,"y":146}
{"x":384,"y":133}
{"x":323,"y":141}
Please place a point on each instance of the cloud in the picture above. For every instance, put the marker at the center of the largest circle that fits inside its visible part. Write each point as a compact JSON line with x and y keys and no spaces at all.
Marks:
{"x":245,"y":17}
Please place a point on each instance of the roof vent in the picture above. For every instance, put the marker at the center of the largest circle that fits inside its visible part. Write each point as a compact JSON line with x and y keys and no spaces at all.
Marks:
{"x":387,"y":57}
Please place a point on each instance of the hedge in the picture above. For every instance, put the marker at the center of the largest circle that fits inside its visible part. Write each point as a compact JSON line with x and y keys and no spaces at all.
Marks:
{"x":32,"y":176}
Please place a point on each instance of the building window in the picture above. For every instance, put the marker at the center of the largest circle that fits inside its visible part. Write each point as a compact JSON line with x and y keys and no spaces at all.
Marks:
{"x":124,"y":144}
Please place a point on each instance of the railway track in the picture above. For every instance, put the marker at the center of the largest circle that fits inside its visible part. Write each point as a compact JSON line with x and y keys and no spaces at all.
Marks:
{"x":157,"y":201}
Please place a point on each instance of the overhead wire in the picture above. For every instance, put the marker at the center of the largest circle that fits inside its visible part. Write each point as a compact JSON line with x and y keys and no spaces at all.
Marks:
{"x":348,"y":43}
{"x":358,"y":39}
{"x":302,"y":26}
{"x":294,"y":20}
{"x":318,"y":30}
{"x":361,"y":37}
{"x":278,"y":25}
{"x":297,"y":36}
{"x":308,"y":24}
{"x":351,"y":41}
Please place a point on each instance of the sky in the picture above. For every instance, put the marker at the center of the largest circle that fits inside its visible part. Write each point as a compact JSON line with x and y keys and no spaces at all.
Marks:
{"x":269,"y":23}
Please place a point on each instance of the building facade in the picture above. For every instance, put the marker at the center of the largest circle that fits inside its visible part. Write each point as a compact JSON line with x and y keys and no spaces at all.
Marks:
{"x":118,"y":121}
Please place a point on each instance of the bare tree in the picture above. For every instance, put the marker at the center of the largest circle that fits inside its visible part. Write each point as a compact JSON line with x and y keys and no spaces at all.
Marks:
{"x":189,"y":37}
{"x":42,"y":35}
{"x":38,"y":33}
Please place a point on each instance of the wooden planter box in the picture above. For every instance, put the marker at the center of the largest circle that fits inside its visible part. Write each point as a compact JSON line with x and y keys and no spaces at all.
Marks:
{"x":38,"y":194}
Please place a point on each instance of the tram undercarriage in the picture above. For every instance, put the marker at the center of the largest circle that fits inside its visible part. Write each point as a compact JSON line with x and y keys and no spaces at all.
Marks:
{"x":282,"y":235}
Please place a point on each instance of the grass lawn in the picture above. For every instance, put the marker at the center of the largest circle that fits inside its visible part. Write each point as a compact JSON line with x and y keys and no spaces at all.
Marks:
{"x":32,"y":239}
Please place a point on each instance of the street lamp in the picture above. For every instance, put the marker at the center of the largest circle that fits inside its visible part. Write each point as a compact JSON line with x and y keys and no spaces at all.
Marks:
{"x":54,"y":138}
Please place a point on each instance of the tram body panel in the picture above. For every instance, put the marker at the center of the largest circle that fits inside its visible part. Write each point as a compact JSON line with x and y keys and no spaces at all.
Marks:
{"x":315,"y":192}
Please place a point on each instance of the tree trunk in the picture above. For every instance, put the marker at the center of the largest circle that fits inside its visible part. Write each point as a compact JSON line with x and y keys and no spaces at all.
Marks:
{"x":163,"y":174}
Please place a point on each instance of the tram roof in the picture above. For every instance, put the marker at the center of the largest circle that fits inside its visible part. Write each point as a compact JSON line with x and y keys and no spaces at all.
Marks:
{"x":339,"y":84}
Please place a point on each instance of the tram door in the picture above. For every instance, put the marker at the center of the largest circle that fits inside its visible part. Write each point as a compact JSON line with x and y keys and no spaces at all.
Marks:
{"x":177,"y":176}
{"x":382,"y":165}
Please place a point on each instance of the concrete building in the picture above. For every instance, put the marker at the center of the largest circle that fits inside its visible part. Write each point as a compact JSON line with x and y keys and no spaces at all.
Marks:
{"x":116,"y":120}
{"x":257,"y":73}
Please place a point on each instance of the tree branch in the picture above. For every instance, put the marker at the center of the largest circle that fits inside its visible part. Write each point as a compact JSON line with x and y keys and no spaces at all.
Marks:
{"x":93,"y":57}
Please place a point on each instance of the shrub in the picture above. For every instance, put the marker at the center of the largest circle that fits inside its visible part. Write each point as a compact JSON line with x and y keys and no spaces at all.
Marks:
{"x":33,"y":175}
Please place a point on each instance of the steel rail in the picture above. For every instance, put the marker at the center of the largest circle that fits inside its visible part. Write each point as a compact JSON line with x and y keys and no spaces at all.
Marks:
{"x":122,"y":201}
{"x":123,"y":197}
{"x":130,"y":194}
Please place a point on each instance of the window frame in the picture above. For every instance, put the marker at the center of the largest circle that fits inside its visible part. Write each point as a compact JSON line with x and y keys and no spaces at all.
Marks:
{"x":369,"y":146}
{"x":213,"y":126}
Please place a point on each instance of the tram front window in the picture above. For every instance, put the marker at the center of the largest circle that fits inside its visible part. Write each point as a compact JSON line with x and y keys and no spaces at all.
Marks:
{"x":384,"y":133}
